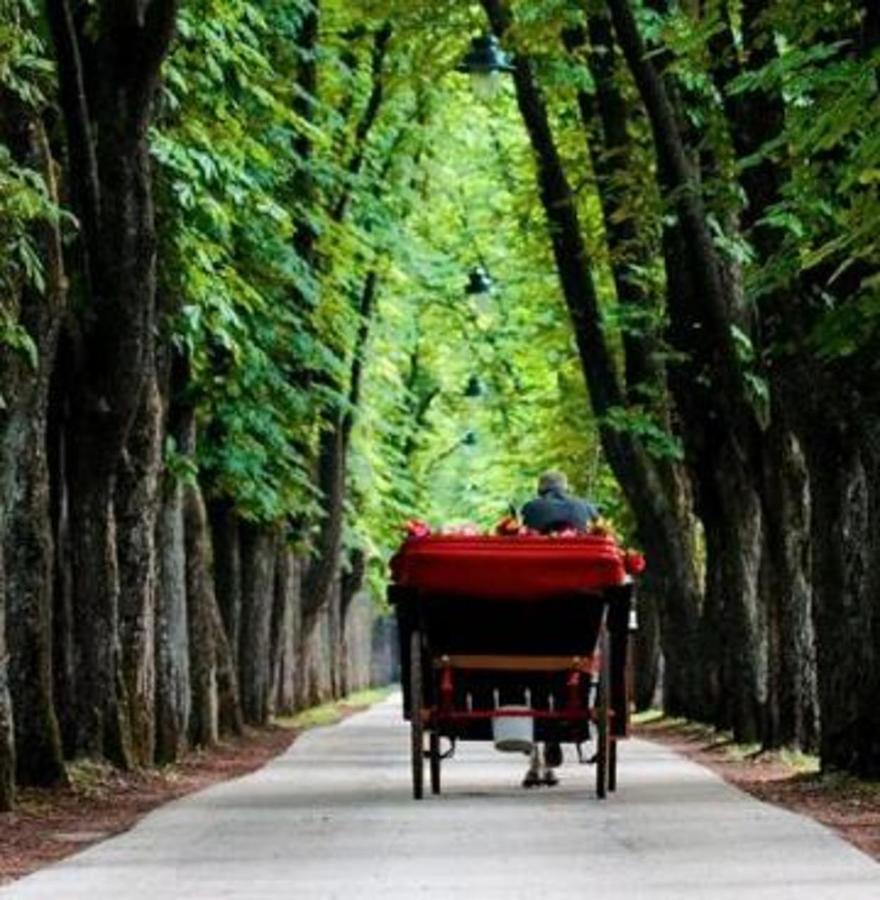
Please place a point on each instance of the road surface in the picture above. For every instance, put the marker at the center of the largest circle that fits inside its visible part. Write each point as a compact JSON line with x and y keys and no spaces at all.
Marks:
{"x":333,"y":818}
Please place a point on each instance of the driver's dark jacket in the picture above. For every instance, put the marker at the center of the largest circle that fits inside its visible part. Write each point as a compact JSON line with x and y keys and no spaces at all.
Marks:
{"x":556,"y":510}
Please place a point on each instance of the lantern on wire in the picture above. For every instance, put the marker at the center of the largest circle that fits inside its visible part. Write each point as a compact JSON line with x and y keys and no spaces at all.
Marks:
{"x":475,"y":389}
{"x":485,"y":62}
{"x":479,"y":282}
{"x":479,"y":288}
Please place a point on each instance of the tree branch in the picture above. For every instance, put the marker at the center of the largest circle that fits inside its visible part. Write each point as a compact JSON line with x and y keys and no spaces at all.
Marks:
{"x":74,"y":103}
{"x":367,"y":120}
{"x":681,"y":184}
{"x":570,"y":253}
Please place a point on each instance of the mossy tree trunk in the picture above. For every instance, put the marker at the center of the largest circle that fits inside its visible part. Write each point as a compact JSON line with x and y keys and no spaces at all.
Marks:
{"x":108,"y":73}
{"x":25,"y":510}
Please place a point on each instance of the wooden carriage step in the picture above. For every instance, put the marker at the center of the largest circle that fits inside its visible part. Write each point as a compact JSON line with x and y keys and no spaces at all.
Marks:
{"x":484,"y":662}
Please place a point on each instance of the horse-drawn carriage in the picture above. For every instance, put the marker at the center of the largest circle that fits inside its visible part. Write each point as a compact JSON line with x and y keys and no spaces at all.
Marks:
{"x":495,"y":629}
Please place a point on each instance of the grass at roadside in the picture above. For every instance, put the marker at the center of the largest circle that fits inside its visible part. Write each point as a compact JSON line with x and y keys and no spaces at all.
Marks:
{"x":711,"y":739}
{"x":331,"y":713}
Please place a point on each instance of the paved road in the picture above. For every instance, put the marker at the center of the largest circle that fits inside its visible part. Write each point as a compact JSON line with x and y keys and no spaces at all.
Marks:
{"x":333,"y":819}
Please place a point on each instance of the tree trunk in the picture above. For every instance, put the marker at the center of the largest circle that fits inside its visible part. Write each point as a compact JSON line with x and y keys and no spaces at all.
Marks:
{"x":102,"y":724}
{"x":258,"y":549}
{"x":229,"y":704}
{"x":63,"y":652}
{"x":223,"y":523}
{"x":311,"y":658}
{"x":172,"y":632}
{"x":844,"y":537}
{"x":677,"y":594}
{"x":324,"y":564}
{"x":25,"y":512}
{"x":714,"y":673}
{"x":136,"y":510}
{"x":741,"y":522}
{"x":7,"y":730}
{"x":29,"y":557}
{"x":646,"y":645}
{"x":284,"y":631}
{"x":172,"y":638}
{"x":793,"y":702}
{"x":201,"y":611}
{"x":108,"y":75}
{"x":227,"y":569}
{"x":871,"y":685}
{"x":723,"y":436}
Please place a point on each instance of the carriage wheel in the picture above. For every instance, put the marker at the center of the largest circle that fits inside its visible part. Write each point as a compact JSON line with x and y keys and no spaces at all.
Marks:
{"x":434,"y":744}
{"x":603,"y":710}
{"x":416,"y":704}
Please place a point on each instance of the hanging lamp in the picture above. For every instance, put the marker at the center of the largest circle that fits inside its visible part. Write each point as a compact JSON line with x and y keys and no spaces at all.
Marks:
{"x":485,"y":62}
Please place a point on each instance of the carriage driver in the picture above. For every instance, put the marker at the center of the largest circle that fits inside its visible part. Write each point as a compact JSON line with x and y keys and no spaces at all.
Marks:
{"x":554,"y":509}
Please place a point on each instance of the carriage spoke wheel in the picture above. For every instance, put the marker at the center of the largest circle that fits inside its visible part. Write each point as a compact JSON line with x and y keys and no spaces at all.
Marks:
{"x":416,"y":705}
{"x":434,"y":744}
{"x":604,"y":750}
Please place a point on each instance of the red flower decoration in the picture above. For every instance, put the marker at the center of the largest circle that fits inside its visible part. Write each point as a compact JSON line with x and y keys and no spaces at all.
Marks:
{"x":508,"y":526}
{"x":415,"y":528}
{"x":634,"y":562}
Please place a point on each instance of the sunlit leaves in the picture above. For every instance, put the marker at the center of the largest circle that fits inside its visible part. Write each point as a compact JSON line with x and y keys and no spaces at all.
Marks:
{"x":24,"y":200}
{"x":224,"y":145}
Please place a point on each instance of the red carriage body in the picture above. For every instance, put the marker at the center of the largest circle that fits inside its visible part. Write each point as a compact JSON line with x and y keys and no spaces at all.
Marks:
{"x":488,"y":622}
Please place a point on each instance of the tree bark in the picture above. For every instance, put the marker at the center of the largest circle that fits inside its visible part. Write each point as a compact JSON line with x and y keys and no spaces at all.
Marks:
{"x":258,"y":550}
{"x":63,"y":654}
{"x":229,"y":704}
{"x":108,"y":78}
{"x":793,"y":702}
{"x":741,"y":525}
{"x":224,"y":525}
{"x":136,"y":510}
{"x":172,"y":637}
{"x":227,"y":569}
{"x":605,"y":117}
{"x":647,"y":656}
{"x":284,"y":631}
{"x":25,"y":512}
{"x":756,"y":119}
{"x":844,"y":537}
{"x":173,"y":696}
{"x":7,"y":729}
{"x":201,"y":612}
